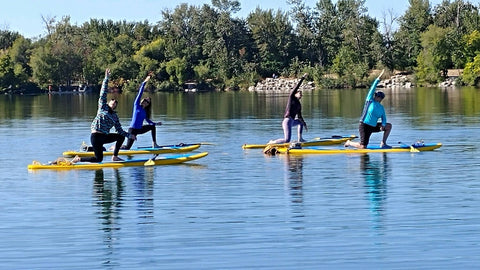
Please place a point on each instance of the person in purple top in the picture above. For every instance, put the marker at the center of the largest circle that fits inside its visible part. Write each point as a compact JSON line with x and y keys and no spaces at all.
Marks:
{"x":293,"y":116}
{"x":142,"y":110}
{"x":372,"y":111}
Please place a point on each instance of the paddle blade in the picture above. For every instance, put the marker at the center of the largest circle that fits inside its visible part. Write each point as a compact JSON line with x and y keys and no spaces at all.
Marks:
{"x":413,"y":149}
{"x":149,"y":162}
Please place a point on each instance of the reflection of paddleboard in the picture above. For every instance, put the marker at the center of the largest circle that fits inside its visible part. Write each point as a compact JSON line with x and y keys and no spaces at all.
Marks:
{"x":161,"y":160}
{"x":370,"y":149}
{"x":139,"y":151}
{"x":315,"y":142}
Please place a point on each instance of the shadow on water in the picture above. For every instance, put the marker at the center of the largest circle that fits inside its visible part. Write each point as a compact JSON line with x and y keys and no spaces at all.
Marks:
{"x":294,"y":184}
{"x":376,"y":173}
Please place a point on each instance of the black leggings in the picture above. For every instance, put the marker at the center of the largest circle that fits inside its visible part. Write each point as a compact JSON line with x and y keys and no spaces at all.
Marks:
{"x":98,"y":140}
{"x":144,"y":129}
{"x":366,"y":131}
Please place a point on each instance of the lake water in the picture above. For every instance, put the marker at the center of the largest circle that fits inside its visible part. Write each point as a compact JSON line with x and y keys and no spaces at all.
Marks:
{"x":238,"y":209}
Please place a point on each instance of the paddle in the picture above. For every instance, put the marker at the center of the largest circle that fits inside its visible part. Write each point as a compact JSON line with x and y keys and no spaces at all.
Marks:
{"x":151,"y":162}
{"x":412,"y":149}
{"x":180,"y":144}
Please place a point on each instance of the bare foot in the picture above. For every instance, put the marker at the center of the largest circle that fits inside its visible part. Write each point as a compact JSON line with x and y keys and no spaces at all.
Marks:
{"x":75,"y":159}
{"x":347,"y":143}
{"x":116,"y":158}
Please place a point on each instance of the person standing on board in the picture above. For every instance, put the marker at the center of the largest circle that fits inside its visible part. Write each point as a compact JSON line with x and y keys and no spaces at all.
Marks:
{"x":142,"y":110}
{"x":293,"y":115}
{"x":372,"y":111}
{"x":100,"y":128}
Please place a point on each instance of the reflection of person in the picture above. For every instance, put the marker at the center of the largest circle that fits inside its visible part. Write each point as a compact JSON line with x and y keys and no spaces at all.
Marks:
{"x":372,"y":111}
{"x":100,"y":129}
{"x":293,"y":115}
{"x":142,"y":110}
{"x":376,"y":173}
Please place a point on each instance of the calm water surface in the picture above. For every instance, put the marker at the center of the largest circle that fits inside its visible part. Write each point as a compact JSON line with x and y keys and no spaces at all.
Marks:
{"x":237,"y":209}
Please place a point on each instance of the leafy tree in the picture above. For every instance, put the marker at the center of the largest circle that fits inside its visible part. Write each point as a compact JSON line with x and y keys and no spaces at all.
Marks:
{"x":176,"y":69}
{"x":7,"y":75}
{"x":274,"y":39}
{"x":460,"y":14}
{"x":44,"y":66}
{"x":360,"y":32}
{"x":407,"y":39}
{"x":471,"y":73}
{"x":7,"y":38}
{"x":319,"y":31}
{"x":348,"y":68}
{"x":20,"y":55}
{"x":227,"y":5}
{"x":434,"y":57}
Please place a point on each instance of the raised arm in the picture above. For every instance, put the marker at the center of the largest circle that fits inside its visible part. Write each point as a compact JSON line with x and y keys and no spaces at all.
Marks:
{"x":371,"y":91}
{"x":295,"y":89}
{"x":102,"y":100}
{"x":140,"y":90}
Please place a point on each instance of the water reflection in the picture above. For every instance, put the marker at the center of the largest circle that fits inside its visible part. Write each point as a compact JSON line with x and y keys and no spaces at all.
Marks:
{"x":376,"y":173}
{"x":143,"y":185}
{"x":294,"y":185}
{"x":108,"y":195}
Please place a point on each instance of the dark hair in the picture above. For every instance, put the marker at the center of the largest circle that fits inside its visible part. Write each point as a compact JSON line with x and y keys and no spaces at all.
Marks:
{"x":148,"y":108}
{"x":380,"y":94}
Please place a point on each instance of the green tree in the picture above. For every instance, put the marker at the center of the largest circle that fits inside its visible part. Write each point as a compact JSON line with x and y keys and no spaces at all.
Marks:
{"x":227,"y":5}
{"x":7,"y":38}
{"x":274,"y":40}
{"x":407,"y":39}
{"x":176,"y":69}
{"x":7,"y":75}
{"x":471,"y":73}
{"x":20,"y":55}
{"x":434,"y":59}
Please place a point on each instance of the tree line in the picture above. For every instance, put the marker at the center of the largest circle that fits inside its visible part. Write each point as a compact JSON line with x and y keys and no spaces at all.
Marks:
{"x":338,"y":44}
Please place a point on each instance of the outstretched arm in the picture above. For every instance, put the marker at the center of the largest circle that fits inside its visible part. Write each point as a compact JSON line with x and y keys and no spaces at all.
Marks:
{"x":140,"y":90}
{"x":371,"y":91}
{"x":102,"y":101}
{"x":381,"y":73}
{"x":295,"y":89}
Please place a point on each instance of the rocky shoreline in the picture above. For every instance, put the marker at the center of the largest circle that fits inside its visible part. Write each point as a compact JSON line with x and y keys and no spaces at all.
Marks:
{"x":281,"y":85}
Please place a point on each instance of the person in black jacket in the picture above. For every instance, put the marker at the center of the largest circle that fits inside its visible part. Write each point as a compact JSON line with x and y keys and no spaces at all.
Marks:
{"x":293,"y":115}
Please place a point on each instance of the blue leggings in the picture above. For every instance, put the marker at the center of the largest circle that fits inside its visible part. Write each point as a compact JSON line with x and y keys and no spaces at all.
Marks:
{"x":287,"y":125}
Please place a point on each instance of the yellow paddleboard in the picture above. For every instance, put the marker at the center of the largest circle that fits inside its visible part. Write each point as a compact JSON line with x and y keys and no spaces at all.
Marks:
{"x":324,"y":151}
{"x":139,"y":151}
{"x":161,"y":160}
{"x":315,"y":142}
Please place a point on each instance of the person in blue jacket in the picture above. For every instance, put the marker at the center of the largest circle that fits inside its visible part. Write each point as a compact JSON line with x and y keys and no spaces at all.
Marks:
{"x":373,"y":111}
{"x":105,"y":119}
{"x":142,"y":110}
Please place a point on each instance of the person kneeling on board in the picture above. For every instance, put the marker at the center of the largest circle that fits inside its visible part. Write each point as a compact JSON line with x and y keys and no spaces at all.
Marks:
{"x":372,"y":111}
{"x":100,"y":128}
{"x":293,"y":115}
